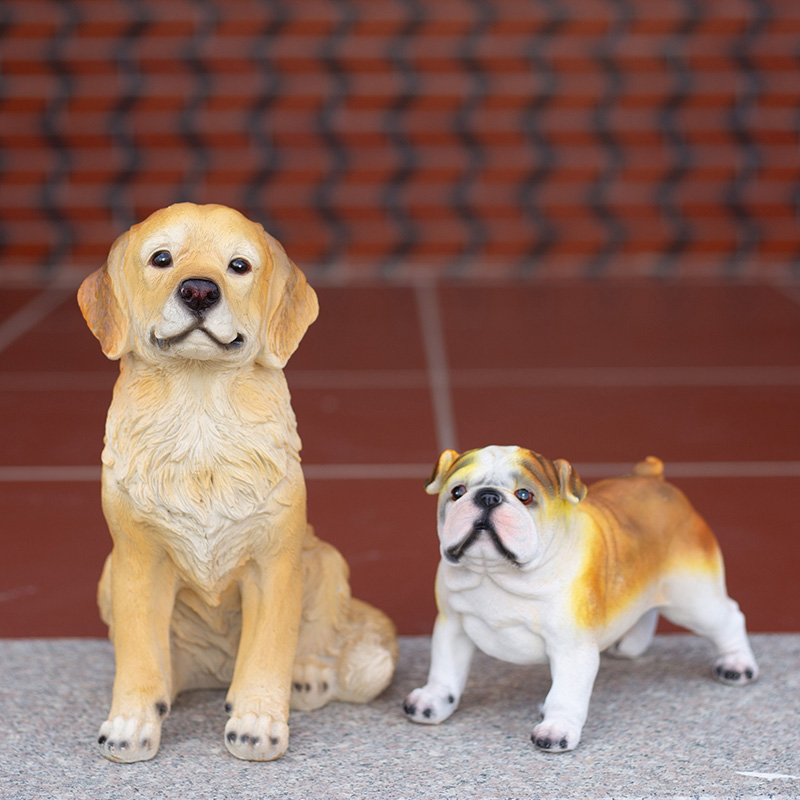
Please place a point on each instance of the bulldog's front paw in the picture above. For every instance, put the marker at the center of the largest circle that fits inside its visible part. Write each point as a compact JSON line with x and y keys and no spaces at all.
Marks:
{"x":313,"y":685}
{"x":735,"y":670}
{"x":555,"y":737}
{"x":126,"y":739}
{"x":430,"y":704}
{"x":256,"y":737}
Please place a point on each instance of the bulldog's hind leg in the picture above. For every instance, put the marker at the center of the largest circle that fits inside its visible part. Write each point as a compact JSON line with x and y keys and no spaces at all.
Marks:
{"x":706,"y":609}
{"x":638,"y":638}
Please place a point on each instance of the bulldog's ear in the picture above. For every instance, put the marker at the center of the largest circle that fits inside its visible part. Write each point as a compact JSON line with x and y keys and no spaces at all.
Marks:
{"x":101,"y":308}
{"x":570,"y":486}
{"x":291,"y":307}
{"x":436,"y":481}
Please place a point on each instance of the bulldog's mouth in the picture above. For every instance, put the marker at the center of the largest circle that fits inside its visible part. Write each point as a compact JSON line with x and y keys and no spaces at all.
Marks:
{"x":484,"y":525}
{"x":165,"y":344}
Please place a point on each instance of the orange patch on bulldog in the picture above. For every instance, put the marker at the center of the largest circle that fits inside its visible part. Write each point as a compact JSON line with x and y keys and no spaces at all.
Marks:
{"x":635,"y":530}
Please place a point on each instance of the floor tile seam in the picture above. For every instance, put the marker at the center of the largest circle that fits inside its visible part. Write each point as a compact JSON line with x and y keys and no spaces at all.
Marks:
{"x":433,"y":339}
{"x":459,"y":378}
{"x":420,"y":471}
{"x":30,"y":315}
{"x":790,"y":292}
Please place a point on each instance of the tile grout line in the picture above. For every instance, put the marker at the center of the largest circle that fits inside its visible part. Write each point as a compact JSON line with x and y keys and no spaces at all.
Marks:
{"x":360,"y":472}
{"x":430,"y":321}
{"x":527,"y":377}
{"x":30,"y":315}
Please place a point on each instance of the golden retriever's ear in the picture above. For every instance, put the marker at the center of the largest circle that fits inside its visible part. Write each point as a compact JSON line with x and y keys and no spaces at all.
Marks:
{"x":291,"y":307}
{"x":100,"y":307}
{"x":436,"y":481}
{"x":571,"y":487}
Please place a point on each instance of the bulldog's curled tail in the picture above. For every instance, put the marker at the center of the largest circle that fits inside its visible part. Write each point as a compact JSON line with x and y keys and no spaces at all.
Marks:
{"x":651,"y":467}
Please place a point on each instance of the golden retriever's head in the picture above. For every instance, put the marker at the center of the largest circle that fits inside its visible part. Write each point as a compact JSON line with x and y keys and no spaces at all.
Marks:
{"x":198,"y":282}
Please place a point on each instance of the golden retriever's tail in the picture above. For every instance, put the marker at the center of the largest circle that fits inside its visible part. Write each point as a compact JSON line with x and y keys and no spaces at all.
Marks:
{"x":651,"y":467}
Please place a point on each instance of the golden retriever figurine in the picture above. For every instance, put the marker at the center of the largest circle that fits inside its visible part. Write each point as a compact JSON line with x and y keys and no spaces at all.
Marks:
{"x":536,"y":568}
{"x":215,"y":579}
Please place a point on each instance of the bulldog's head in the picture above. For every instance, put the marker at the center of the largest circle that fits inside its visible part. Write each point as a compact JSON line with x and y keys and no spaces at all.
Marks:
{"x":497,"y":505}
{"x":201,"y":283}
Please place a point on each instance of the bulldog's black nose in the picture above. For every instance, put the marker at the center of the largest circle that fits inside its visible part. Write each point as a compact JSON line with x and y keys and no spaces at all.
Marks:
{"x":199,"y":294}
{"x":486,"y":498}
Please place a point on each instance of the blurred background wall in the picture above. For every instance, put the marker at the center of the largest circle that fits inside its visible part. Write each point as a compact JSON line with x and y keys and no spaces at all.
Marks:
{"x":388,"y":138}
{"x":458,"y":178}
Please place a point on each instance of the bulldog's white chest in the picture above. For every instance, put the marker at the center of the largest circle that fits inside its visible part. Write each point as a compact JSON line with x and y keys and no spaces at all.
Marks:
{"x":502,"y":624}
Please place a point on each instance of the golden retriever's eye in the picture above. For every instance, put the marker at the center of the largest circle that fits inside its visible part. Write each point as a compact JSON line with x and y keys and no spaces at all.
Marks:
{"x":458,"y":491}
{"x":162,"y":259}
{"x":524,"y":496}
{"x":239,"y":266}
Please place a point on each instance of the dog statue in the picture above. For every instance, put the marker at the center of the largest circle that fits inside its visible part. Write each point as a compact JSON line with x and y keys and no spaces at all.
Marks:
{"x":536,"y":567}
{"x":215,"y":578}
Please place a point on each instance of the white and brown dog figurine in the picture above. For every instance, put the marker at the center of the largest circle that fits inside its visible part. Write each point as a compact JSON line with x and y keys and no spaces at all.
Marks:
{"x":215,"y":578}
{"x":535,"y":567}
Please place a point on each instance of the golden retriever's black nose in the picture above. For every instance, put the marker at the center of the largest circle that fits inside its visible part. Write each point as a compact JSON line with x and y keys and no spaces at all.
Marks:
{"x":199,"y":294}
{"x":487,"y":498}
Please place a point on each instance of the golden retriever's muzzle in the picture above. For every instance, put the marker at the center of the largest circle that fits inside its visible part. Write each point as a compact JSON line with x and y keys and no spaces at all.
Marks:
{"x":486,"y":500}
{"x":198,"y":295}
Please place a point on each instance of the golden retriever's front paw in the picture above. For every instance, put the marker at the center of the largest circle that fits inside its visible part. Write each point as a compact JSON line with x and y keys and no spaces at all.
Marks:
{"x":127,"y":739}
{"x":256,"y":737}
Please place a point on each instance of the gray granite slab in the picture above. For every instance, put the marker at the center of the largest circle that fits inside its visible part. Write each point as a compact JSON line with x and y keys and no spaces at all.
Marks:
{"x":659,"y":727}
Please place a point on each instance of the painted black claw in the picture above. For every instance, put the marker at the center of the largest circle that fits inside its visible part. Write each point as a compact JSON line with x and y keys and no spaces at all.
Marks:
{"x":102,"y":740}
{"x":410,"y":709}
{"x":232,"y":736}
{"x":546,"y":743}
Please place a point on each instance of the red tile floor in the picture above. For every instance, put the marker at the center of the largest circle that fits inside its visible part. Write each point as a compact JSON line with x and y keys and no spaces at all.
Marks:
{"x":705,"y":376}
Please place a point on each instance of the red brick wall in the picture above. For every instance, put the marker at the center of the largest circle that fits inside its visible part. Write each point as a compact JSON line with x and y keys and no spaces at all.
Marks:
{"x":387,"y":137}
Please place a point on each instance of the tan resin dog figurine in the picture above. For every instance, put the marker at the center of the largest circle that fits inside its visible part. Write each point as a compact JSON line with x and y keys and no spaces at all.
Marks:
{"x":535,"y":567}
{"x":215,"y":578}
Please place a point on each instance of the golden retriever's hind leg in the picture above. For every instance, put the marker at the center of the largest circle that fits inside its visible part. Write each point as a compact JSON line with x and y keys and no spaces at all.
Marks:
{"x":142,"y":592}
{"x":369,"y":655}
{"x":347,"y":649}
{"x":313,"y":684}
{"x":326,"y":614}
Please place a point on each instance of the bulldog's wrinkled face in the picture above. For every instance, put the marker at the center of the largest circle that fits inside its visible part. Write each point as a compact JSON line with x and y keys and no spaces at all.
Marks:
{"x":496,"y":503}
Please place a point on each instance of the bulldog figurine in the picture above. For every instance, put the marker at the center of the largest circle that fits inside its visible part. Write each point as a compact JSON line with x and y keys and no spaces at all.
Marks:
{"x":535,"y":567}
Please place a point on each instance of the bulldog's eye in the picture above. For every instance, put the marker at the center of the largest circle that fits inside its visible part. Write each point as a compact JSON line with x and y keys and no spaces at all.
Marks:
{"x":239,"y":266}
{"x":458,"y":491}
{"x":524,"y":496}
{"x":162,"y":259}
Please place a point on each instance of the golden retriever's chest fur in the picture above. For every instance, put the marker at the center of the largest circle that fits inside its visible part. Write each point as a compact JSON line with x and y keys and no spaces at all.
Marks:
{"x":200,"y":457}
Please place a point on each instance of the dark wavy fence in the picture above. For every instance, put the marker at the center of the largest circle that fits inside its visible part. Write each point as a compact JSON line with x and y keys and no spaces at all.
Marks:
{"x":387,"y":137}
